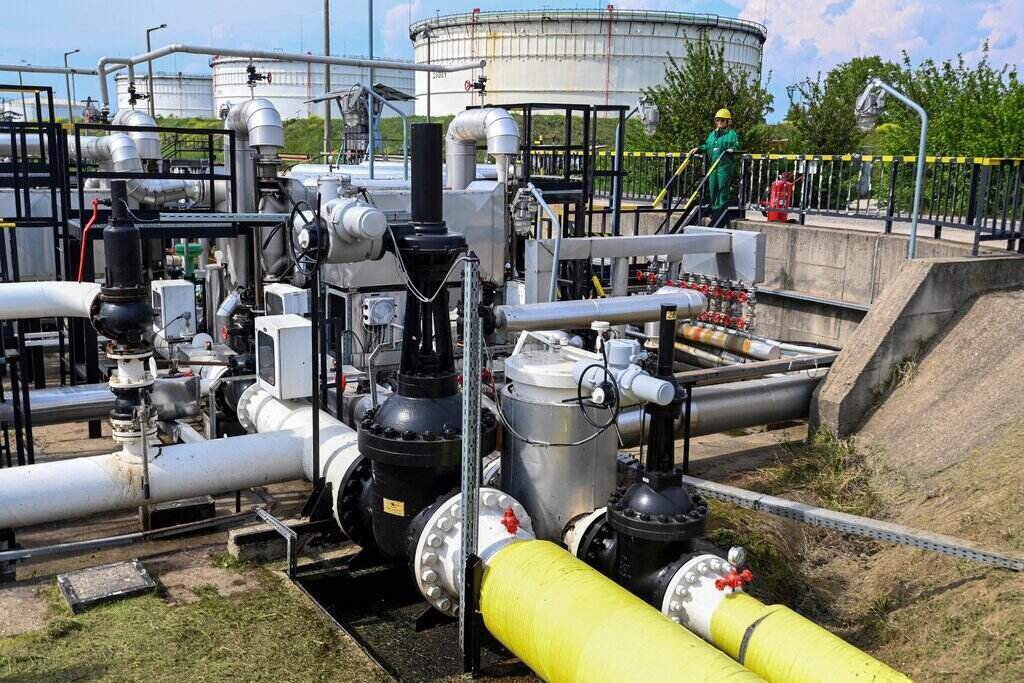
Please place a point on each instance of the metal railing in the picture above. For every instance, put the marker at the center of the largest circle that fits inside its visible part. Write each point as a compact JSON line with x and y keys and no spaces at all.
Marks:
{"x":980,"y":194}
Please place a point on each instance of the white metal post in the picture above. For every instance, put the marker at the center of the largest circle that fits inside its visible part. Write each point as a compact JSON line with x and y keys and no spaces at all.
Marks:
{"x":471,"y":352}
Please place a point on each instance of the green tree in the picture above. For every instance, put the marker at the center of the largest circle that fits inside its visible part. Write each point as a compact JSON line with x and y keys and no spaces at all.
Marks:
{"x":695,"y":88}
{"x":821,"y":109}
{"x":972,"y":110}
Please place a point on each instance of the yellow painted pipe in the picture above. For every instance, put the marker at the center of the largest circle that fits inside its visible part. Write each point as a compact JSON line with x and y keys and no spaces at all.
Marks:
{"x":567,"y":622}
{"x":779,"y":645}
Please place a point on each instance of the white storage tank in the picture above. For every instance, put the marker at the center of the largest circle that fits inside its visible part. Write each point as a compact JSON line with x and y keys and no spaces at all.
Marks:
{"x":571,"y":56}
{"x":293,"y":83}
{"x":179,"y":94}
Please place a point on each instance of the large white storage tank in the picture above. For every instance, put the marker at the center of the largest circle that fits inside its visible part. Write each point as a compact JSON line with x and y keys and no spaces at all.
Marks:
{"x":179,"y":94}
{"x":575,"y":56}
{"x":293,"y":83}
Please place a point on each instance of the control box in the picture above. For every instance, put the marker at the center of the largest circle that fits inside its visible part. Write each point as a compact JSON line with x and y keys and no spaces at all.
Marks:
{"x":284,"y":355}
{"x":280,"y":298}
{"x":378,"y":310}
{"x":174,"y":303}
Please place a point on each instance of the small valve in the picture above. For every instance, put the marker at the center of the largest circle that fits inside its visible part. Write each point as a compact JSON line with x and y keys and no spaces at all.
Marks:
{"x":510,"y":521}
{"x":734,"y":580}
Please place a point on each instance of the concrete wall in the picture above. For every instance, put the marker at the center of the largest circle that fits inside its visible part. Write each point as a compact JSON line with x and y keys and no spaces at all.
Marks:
{"x":923,"y":297}
{"x":844,"y":265}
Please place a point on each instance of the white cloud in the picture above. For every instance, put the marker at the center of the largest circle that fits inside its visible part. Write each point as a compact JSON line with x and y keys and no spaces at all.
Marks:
{"x":396,"y":26}
{"x":1003,"y":26}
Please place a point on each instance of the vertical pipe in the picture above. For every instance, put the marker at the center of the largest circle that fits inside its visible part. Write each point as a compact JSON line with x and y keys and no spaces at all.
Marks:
{"x":372,"y":121}
{"x":327,"y":79}
{"x":428,"y":75}
{"x":427,"y":208}
{"x":472,"y":333}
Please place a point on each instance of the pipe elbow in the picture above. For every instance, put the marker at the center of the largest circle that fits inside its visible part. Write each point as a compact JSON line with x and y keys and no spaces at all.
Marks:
{"x":260,"y":122}
{"x":501,"y":131}
{"x":146,"y":141}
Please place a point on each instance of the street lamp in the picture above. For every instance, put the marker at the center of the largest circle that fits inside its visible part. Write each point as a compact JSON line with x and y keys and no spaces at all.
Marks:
{"x":21,"y":84}
{"x":149,"y":64}
{"x":869,"y":107}
{"x":67,"y":84}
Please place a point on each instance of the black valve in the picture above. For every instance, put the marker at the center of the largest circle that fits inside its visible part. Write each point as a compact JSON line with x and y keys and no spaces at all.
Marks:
{"x":253,"y":76}
{"x":134,"y":96}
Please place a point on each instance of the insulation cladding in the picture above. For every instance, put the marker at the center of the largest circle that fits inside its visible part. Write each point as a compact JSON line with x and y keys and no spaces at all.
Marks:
{"x":571,"y":56}
{"x":293,"y":83}
{"x":179,"y":94}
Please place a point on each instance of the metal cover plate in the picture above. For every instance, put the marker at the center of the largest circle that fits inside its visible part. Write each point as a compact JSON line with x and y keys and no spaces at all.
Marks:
{"x":86,"y":588}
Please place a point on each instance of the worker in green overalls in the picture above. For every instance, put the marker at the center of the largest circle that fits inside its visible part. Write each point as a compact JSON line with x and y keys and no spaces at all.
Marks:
{"x":722,"y":142}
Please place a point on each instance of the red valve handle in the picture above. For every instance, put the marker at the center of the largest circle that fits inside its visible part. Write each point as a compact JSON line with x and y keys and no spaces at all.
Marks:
{"x":510,"y":521}
{"x":734,"y":580}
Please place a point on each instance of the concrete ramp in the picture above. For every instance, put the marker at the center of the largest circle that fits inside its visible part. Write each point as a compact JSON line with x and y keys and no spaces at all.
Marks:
{"x":915,"y":310}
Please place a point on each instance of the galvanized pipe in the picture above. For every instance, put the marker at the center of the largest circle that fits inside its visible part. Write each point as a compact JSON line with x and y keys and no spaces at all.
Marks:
{"x":616,"y":310}
{"x":737,"y":405}
{"x":57,"y":405}
{"x":106,"y":64}
{"x":726,"y":340}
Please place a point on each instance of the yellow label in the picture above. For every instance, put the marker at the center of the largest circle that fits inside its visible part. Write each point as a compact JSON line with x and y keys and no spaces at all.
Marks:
{"x":394,"y":507}
{"x":671,"y":315}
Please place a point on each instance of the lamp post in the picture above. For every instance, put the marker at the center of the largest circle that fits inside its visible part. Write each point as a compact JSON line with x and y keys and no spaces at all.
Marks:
{"x":21,"y":84}
{"x":869,"y":107}
{"x":149,"y":65}
{"x":68,"y":78}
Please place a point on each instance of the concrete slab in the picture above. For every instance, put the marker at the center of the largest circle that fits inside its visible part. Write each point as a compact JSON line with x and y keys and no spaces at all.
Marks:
{"x":87,"y":588}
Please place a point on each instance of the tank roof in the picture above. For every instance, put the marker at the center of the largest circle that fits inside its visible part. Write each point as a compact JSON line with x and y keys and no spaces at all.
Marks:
{"x":687,"y":18}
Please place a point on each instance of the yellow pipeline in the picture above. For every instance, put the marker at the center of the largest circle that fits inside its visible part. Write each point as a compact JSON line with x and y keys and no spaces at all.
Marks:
{"x":779,"y":645}
{"x":567,"y":622}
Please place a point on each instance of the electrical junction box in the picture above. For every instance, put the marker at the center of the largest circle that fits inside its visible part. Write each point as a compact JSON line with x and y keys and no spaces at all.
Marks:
{"x":378,"y":310}
{"x":283,"y":355}
{"x":280,"y":298}
{"x":174,"y":302}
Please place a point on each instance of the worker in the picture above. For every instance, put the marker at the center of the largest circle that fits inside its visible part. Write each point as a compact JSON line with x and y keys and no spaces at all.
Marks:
{"x":722,"y":142}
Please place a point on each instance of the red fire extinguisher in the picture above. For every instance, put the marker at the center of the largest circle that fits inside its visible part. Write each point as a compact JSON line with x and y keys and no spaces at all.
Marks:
{"x":781,"y":198}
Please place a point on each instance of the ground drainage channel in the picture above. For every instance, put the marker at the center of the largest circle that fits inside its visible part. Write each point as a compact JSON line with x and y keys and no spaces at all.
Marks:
{"x":378,"y":605}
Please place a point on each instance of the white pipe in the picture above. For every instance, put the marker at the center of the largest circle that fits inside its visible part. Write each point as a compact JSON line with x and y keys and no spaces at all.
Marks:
{"x":147,"y":141}
{"x":493,"y":124}
{"x":47,"y":299}
{"x":257,"y":124}
{"x":557,"y":315}
{"x":65,"y":489}
{"x":106,"y":64}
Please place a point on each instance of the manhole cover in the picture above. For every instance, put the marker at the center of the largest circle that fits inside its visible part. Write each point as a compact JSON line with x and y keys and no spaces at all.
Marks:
{"x":87,"y":588}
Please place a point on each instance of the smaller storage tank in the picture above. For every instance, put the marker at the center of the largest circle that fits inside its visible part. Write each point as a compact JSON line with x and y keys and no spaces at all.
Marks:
{"x":179,"y":94}
{"x":292,"y":84}
{"x":555,"y":483}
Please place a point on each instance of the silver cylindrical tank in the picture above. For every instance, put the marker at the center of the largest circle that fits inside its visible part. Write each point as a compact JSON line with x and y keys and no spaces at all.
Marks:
{"x":554,"y":482}
{"x":292,"y":84}
{"x":179,"y":94}
{"x":572,"y":56}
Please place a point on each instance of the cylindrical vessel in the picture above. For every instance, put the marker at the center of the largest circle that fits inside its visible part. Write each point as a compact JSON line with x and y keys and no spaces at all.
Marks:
{"x":573,"y":56}
{"x":555,"y":483}
{"x":180,"y":95}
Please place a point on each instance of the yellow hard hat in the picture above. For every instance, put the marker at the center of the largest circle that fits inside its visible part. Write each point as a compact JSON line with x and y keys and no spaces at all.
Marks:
{"x":723,"y":114}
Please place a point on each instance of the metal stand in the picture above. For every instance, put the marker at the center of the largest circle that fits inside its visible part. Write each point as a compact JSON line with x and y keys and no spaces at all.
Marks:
{"x":469,"y":636}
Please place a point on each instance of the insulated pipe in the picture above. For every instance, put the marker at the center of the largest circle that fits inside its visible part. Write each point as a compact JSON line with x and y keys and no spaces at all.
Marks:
{"x":48,"y":299}
{"x":730,"y":341}
{"x":736,"y":405}
{"x":36,"y":69}
{"x":258,"y":125}
{"x":57,"y":405}
{"x":65,"y":489}
{"x":617,"y":310}
{"x":568,"y":622}
{"x":705,"y":595}
{"x":147,"y":141}
{"x":493,"y":124}
{"x":779,"y":645}
{"x":107,"y":64}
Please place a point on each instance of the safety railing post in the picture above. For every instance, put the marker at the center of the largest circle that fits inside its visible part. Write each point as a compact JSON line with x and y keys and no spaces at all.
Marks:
{"x":890,"y":206}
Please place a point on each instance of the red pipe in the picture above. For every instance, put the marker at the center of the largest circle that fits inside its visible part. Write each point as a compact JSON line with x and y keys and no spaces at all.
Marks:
{"x":85,"y":236}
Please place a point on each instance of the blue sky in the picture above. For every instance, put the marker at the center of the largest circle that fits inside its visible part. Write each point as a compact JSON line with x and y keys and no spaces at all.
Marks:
{"x":805,"y":36}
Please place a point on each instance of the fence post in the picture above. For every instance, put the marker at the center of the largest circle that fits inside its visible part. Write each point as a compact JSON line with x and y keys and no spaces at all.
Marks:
{"x":890,"y":207}
{"x":741,"y":201}
{"x":978,"y":199}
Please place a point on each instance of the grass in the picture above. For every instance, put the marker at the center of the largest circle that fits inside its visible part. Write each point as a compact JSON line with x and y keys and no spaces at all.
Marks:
{"x":269,"y":634}
{"x":824,"y":471}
